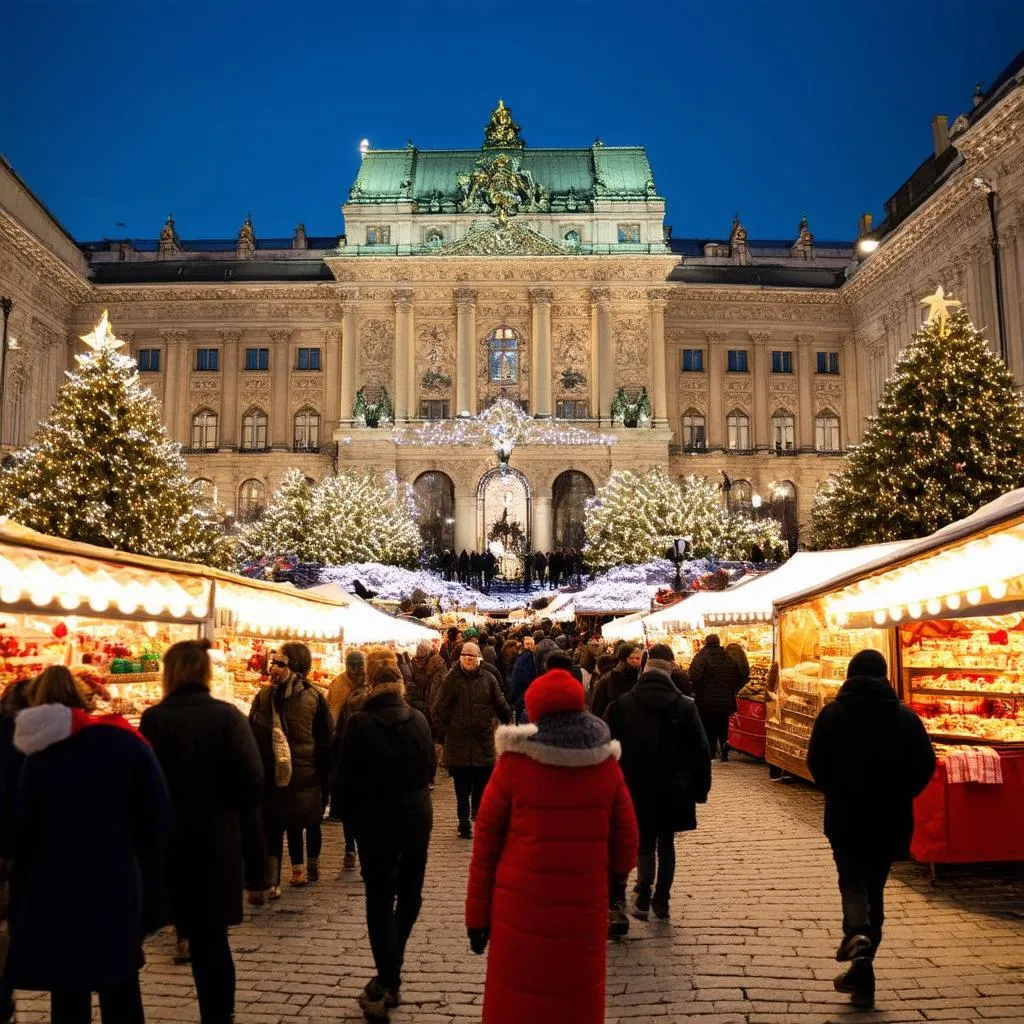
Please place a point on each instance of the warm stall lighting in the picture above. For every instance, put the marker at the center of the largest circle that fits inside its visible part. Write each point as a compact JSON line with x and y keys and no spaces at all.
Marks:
{"x":934,"y":606}
{"x":896,"y":613}
{"x":974,"y":596}
{"x":998,"y":589}
{"x":953,"y":602}
{"x":915,"y":610}
{"x":879,"y":617}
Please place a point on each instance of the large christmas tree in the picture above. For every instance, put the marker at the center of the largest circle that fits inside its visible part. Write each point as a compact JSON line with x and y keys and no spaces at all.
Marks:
{"x":102,"y":470}
{"x":635,"y":517}
{"x":948,"y":437}
{"x":348,"y":518}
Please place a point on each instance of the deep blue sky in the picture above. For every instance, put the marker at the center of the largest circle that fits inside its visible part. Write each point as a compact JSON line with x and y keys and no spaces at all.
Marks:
{"x":123,"y":110}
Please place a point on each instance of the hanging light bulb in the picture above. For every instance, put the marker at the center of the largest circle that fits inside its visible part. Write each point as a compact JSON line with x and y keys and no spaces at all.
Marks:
{"x":998,"y":589}
{"x":953,"y":602}
{"x":974,"y":596}
{"x":934,"y":606}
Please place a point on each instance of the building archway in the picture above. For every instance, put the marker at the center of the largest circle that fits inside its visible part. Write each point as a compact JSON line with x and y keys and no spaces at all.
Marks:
{"x":569,"y":494}
{"x":504,"y":506}
{"x":435,"y":493}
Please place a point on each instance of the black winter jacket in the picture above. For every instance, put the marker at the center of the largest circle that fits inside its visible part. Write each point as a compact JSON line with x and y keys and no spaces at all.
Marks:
{"x":716,"y":681}
{"x":871,"y":756}
{"x":467,"y":709}
{"x":613,"y":685}
{"x":215,"y":777}
{"x":665,"y":755}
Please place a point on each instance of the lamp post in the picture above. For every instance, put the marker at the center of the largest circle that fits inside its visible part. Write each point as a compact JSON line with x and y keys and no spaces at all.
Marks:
{"x":679,"y":550}
{"x":6,"y":305}
{"x":991,"y":195}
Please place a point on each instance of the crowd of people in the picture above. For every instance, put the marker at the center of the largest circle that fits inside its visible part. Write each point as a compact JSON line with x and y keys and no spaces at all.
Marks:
{"x":572,"y":763}
{"x":478,"y":569}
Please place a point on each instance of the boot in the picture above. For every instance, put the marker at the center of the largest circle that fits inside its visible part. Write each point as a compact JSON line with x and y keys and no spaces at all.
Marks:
{"x":465,"y":830}
{"x":274,"y":878}
{"x":313,"y":869}
{"x":618,"y":923}
{"x":660,"y":907}
{"x":298,"y":875}
{"x":859,"y":983}
{"x":856,"y":916}
{"x":641,"y":905}
{"x":350,"y":861}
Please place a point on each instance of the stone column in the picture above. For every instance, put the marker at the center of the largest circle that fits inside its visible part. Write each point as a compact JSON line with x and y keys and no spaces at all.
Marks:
{"x":465,"y":354}
{"x":465,"y":522}
{"x":605,"y":374}
{"x":280,"y":414}
{"x":716,"y":389}
{"x":412,"y":384}
{"x":848,"y":374}
{"x":349,"y":365}
{"x":805,"y":414}
{"x":658,"y":370}
{"x":762,"y":437}
{"x":1012,"y":298}
{"x":227,"y":427}
{"x":541,"y":539}
{"x":176,"y":380}
{"x":331,"y":371}
{"x":403,"y":319}
{"x":540,"y":379}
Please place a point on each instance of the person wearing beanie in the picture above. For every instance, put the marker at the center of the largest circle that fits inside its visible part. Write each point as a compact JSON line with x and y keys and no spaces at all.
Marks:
{"x":667,"y":765}
{"x":716,"y":680}
{"x":619,"y":680}
{"x":468,"y":706}
{"x":382,"y":790}
{"x":555,"y":824}
{"x":351,"y":679}
{"x":527,"y":669}
{"x":870,"y":755}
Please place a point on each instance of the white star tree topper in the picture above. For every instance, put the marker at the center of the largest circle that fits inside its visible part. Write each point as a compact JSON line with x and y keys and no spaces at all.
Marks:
{"x":102,"y":338}
{"x":939,"y":307}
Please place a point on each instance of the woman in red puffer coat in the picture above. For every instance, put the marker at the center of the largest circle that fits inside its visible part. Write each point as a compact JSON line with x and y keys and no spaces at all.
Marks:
{"x":556,"y":822}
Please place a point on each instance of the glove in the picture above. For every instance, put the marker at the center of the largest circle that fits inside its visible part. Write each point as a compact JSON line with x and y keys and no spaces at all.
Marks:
{"x":478,"y":939}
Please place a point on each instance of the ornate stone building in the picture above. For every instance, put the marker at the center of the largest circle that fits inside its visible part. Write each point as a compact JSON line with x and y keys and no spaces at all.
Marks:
{"x":545,"y":277}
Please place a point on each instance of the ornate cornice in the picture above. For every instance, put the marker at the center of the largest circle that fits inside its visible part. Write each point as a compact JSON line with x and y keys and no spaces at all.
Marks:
{"x":34,"y":255}
{"x":465,"y":296}
{"x":174,"y":336}
{"x":541,"y":296}
{"x":230,"y":335}
{"x":759,"y":337}
{"x":279,"y":335}
{"x":601,"y":297}
{"x":714,"y":337}
{"x":403,"y":297}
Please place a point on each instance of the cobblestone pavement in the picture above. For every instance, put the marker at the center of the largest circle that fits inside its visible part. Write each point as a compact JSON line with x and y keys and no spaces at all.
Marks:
{"x":751,"y":939}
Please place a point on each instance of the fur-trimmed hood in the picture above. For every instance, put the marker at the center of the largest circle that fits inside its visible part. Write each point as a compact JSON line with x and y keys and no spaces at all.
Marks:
{"x":37,"y":728}
{"x":571,"y":739}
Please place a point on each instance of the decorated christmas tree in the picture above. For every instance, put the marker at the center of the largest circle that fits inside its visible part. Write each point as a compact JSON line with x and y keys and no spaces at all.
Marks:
{"x":635,"y":517}
{"x":948,"y":437}
{"x":349,"y":518}
{"x":102,"y":470}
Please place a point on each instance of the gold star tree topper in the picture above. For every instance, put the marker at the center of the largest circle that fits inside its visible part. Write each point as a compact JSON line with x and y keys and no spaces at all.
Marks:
{"x":939,"y":307}
{"x":102,"y":337}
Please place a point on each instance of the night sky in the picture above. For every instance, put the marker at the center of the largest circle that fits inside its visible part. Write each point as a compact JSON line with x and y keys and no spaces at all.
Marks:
{"x":124,"y":110}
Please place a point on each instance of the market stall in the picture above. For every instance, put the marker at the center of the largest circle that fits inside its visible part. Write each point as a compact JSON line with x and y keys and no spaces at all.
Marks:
{"x":110,"y":615}
{"x":366,"y":624}
{"x":948,"y":613}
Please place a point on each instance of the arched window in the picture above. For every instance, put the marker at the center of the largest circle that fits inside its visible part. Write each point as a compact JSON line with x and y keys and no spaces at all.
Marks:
{"x":252,"y":500}
{"x":307,"y":431}
{"x":254,"y":430}
{"x":435,"y":493}
{"x":205,"y":490}
{"x":784,"y":431}
{"x":740,"y":495}
{"x":694,"y":436}
{"x":738,"y":428}
{"x":826,"y":432}
{"x":204,"y":430}
{"x":782,"y":506}
{"x":570,"y":494}
{"x":503,"y":356}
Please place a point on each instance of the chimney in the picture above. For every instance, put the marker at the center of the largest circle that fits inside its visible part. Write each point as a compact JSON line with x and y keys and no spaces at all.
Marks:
{"x":940,"y":133}
{"x":864,"y":225}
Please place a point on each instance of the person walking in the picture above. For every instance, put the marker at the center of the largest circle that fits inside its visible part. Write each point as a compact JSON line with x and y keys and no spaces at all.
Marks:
{"x":619,"y":680}
{"x":871,"y":756}
{"x":92,"y":785}
{"x":716,"y":681}
{"x":660,"y":656}
{"x":382,"y":789}
{"x":667,"y":765}
{"x":555,"y":823}
{"x":468,"y":705}
{"x":215,"y":775}
{"x":292,"y":725}
{"x":351,"y":679}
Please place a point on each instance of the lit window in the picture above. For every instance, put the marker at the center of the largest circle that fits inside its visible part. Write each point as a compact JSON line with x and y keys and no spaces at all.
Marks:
{"x":738,"y":424}
{"x":254,"y":430}
{"x":307,"y":430}
{"x":308,"y":359}
{"x":784,"y":431}
{"x":826,"y":432}
{"x":257,"y":358}
{"x":149,"y":360}
{"x":693,"y":360}
{"x":782,"y":362}
{"x":204,"y":430}
{"x":737,"y":360}
{"x":694,"y":431}
{"x":503,"y":356}
{"x":252,"y":499}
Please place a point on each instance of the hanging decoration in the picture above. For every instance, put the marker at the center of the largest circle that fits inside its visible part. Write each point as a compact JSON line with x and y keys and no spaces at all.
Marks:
{"x":631,"y":412}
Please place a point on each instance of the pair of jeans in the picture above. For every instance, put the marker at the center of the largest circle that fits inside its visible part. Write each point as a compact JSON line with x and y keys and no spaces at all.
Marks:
{"x":119,"y":1005}
{"x":656,"y":847}
{"x":314,"y":843}
{"x":213,"y":971}
{"x":470,"y":783}
{"x":393,"y":874}
{"x":716,"y":726}
{"x":862,"y":878}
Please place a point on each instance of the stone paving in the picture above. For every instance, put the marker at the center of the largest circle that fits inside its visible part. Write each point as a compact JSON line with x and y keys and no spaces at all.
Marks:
{"x":751,"y":940}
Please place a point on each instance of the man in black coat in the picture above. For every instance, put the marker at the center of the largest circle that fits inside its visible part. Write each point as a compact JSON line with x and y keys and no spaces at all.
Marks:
{"x":620,"y":680}
{"x":716,"y":681}
{"x":871,"y":756}
{"x":667,"y":765}
{"x":382,"y":788}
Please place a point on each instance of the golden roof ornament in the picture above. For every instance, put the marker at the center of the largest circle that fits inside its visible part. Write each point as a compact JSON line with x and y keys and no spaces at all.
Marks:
{"x":938,"y":308}
{"x":168,"y":233}
{"x":246,"y":233}
{"x":501,"y":131}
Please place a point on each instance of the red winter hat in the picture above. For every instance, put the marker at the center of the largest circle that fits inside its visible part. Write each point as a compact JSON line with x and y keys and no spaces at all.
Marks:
{"x":552,"y":693}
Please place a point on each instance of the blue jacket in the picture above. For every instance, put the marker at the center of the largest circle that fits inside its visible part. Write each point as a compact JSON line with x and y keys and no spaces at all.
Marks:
{"x":524,"y":671}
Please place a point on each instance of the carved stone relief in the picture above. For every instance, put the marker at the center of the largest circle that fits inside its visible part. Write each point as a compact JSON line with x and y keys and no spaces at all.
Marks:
{"x":632,"y":348}
{"x":376,"y":341}
{"x":435,"y":349}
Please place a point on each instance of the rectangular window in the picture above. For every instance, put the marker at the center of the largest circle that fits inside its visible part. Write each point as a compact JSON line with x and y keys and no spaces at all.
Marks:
{"x":208,"y":359}
{"x":309,"y":359}
{"x":257,"y":358}
{"x":782,"y":362}
{"x":693,"y":360}
{"x":572,"y":409}
{"x":434,"y":409}
{"x":149,"y":360}
{"x":629,"y":234}
{"x":737,"y":360}
{"x":828,"y":362}
{"x":378,"y":234}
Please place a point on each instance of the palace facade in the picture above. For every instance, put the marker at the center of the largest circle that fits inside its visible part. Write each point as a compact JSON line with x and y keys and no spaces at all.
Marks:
{"x":546,"y":277}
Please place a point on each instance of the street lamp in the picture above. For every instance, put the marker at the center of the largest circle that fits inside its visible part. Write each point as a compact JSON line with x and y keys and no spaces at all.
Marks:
{"x":6,"y":305}
{"x":991,"y":195}
{"x":679,"y":549}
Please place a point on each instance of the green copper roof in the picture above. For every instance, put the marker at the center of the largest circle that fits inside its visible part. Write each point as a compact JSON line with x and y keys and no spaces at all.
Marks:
{"x":569,"y":178}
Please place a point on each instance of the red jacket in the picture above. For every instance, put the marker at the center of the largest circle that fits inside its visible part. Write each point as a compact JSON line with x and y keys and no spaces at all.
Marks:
{"x":555,"y":821}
